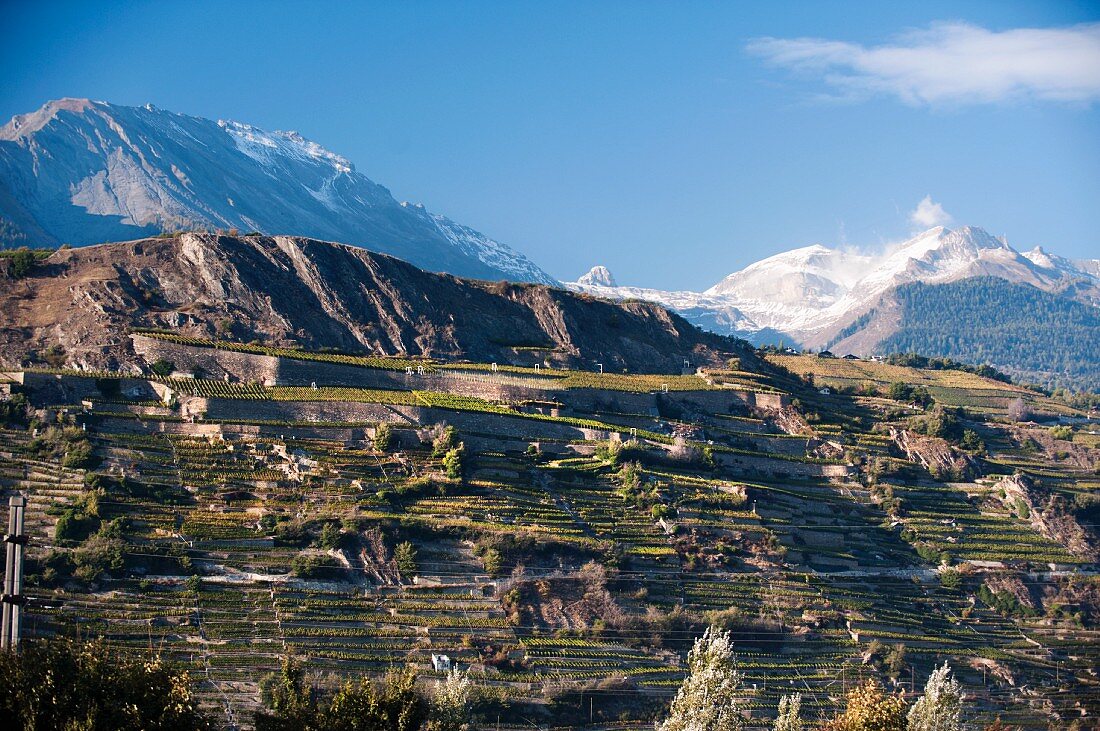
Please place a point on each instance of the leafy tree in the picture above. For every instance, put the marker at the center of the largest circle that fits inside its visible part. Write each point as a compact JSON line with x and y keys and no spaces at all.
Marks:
{"x":629,"y":477}
{"x":78,"y":455}
{"x":1018,"y":410}
{"x":950,"y":579}
{"x":609,"y":451}
{"x":292,"y":703}
{"x":450,"y":703}
{"x":899,"y":391}
{"x":941,"y":423}
{"x":707,"y":700}
{"x":70,"y":684}
{"x":869,"y":708}
{"x":790,"y":710}
{"x":895,"y":660}
{"x":14,"y":410}
{"x":314,"y":566}
{"x":404,"y":554}
{"x":393,"y":705}
{"x":940,"y":708}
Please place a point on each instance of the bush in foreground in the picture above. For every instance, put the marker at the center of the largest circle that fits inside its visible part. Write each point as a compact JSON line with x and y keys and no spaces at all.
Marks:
{"x":72,"y":684}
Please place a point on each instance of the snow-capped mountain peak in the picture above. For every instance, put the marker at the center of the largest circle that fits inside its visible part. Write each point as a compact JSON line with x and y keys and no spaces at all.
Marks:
{"x":598,"y":276}
{"x":84,"y":172}
{"x":809,"y":292}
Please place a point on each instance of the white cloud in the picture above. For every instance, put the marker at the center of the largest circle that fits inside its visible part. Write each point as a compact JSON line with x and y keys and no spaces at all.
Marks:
{"x":952,"y":63}
{"x":928,"y":214}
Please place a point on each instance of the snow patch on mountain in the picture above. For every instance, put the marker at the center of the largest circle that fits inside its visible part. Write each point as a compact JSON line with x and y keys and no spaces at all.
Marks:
{"x":267,"y":147}
{"x":477,"y":245}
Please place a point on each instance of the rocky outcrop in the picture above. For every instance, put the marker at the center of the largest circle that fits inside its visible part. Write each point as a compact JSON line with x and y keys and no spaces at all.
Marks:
{"x":306,"y":293}
{"x":936,"y":455}
{"x":1048,"y":513}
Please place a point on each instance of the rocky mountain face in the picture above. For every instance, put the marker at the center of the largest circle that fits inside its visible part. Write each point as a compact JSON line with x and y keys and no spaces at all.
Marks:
{"x":83,"y":172}
{"x":302,"y":292}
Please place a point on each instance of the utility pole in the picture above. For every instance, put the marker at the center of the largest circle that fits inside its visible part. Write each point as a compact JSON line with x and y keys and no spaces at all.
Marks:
{"x":13,"y":598}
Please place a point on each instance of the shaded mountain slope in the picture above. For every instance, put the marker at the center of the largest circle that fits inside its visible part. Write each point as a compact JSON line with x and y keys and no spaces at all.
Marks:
{"x":1032,"y":334}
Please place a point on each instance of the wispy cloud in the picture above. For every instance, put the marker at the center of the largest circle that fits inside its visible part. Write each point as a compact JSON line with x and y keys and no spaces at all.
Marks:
{"x":952,"y":63}
{"x":928,"y":213}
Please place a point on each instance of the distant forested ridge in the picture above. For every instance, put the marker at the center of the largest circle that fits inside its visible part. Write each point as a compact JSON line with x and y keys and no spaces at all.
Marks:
{"x":1033,"y":335}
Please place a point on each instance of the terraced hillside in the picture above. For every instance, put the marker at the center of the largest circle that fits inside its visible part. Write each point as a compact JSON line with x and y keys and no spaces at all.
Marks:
{"x":564,"y":535}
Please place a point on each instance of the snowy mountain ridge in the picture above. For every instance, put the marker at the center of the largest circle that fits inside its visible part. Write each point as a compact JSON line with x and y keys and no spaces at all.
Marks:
{"x":808,"y":294}
{"x":82,"y":172}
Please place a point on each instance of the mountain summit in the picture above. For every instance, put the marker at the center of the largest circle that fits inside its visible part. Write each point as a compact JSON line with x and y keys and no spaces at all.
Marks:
{"x":820,"y":297}
{"x":598,"y":276}
{"x":82,"y":172}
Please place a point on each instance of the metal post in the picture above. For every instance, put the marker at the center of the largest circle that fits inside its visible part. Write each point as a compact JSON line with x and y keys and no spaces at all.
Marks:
{"x":13,"y":574}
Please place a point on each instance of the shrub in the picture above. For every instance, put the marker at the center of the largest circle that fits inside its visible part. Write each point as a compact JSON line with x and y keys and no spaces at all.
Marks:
{"x":869,"y":708}
{"x":163,"y":367}
{"x":445,"y":441}
{"x":1064,"y":433}
{"x":383,"y":437}
{"x":54,"y":356}
{"x":910,"y":394}
{"x":22,"y":262}
{"x":315,"y":566}
{"x":88,"y":685}
{"x":452,"y":462}
{"x":940,"y":423}
{"x":100,"y":554}
{"x":78,"y":455}
{"x":940,"y":708}
{"x":971,"y":442}
{"x":492,"y":560}
{"x":74,"y":525}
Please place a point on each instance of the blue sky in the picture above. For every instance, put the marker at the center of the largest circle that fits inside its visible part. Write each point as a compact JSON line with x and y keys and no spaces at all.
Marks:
{"x":673,"y":142}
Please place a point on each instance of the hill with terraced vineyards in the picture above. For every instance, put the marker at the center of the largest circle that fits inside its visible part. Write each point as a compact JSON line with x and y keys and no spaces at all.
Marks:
{"x":562,"y":535}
